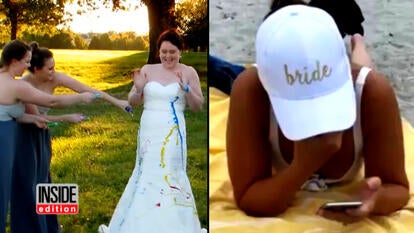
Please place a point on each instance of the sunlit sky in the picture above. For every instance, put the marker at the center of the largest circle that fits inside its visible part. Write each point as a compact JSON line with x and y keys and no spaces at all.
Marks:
{"x":104,"y":20}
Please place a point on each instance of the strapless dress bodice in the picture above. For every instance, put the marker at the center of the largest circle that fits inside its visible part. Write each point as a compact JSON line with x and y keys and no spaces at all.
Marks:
{"x":164,"y":97}
{"x":12,"y":111}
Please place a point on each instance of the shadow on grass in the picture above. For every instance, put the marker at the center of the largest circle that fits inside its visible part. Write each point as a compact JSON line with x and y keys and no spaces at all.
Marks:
{"x":121,"y":66}
{"x":96,"y":111}
{"x":101,"y":110}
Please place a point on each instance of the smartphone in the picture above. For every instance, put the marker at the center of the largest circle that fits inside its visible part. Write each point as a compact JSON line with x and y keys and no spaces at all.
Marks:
{"x":341,"y":205}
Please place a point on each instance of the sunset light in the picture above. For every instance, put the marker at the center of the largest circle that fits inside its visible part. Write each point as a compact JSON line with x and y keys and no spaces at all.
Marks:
{"x":104,"y":20}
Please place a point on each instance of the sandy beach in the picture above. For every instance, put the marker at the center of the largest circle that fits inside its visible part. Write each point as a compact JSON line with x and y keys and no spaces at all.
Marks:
{"x":388,"y":29}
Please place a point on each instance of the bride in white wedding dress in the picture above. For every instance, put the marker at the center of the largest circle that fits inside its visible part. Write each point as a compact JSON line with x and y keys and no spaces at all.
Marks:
{"x":158,"y":197}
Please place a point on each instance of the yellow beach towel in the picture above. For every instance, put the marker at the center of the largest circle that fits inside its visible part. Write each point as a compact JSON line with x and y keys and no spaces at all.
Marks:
{"x":225,"y":217}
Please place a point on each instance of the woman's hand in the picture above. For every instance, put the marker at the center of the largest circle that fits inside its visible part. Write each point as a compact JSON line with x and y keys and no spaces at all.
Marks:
{"x":359,"y":52}
{"x":135,"y":95}
{"x":139,"y":80}
{"x":184,"y":83}
{"x":40,"y":121}
{"x":123,"y":104}
{"x":366,"y":191}
{"x":74,"y":118}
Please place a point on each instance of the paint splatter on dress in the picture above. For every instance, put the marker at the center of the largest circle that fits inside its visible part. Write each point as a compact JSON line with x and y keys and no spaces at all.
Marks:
{"x":158,"y":196}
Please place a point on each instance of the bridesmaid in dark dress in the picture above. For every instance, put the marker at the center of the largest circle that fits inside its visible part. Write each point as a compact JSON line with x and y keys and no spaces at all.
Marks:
{"x":33,"y":147}
{"x":8,"y":125}
{"x":15,"y":58}
{"x":33,"y":154}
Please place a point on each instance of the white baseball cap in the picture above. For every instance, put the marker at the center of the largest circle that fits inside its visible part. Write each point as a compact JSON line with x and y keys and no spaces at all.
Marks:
{"x":303,"y":65}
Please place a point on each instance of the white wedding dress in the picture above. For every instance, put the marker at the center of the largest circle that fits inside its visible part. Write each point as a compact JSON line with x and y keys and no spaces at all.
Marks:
{"x":158,"y":197}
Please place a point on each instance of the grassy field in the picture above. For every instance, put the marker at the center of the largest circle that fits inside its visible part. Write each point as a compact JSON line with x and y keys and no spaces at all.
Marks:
{"x":99,"y":154}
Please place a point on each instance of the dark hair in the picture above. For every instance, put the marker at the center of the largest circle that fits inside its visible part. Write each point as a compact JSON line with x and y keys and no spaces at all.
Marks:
{"x":347,"y":14}
{"x":172,"y":36}
{"x":15,"y":49}
{"x":39,"y":56}
{"x":277,"y":4}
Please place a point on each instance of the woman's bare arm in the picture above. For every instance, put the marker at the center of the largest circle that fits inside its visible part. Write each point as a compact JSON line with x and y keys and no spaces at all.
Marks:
{"x":383,"y":144}
{"x":249,"y":152}
{"x":69,"y":82}
{"x":29,"y":94}
{"x":194,"y":95}
{"x":136,"y":94}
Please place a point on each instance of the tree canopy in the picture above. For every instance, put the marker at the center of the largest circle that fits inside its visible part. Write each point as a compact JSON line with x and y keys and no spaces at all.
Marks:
{"x":161,"y":16}
{"x":46,"y":13}
{"x":192,"y":20}
{"x":39,"y":19}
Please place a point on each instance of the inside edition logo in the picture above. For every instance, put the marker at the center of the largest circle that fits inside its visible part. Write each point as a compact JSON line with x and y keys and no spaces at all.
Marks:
{"x":57,"y":199}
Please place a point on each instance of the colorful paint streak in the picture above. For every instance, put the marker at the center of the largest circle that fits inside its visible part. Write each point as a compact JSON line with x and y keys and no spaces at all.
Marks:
{"x":167,"y":138}
{"x":183,"y":197}
{"x":164,"y":143}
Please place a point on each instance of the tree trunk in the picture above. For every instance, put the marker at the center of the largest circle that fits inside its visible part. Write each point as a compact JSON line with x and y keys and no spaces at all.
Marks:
{"x":160,"y":17}
{"x":11,"y":11}
{"x":13,"y":24}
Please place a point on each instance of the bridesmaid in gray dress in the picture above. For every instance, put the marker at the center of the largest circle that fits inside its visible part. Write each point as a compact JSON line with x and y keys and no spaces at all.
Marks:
{"x":15,"y":58}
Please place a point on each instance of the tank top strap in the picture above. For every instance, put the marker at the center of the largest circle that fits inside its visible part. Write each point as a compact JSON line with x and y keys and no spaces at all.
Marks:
{"x":359,"y":84}
{"x":277,"y":159}
{"x":357,"y":130}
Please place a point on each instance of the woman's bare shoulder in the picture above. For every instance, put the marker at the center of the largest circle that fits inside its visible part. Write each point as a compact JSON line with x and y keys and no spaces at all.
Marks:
{"x":379,"y":106}
{"x":377,"y":87}
{"x":148,"y":67}
{"x":190,"y":71}
{"x":186,"y":67}
{"x":249,"y":96}
{"x":247,"y":81}
{"x":19,"y":85}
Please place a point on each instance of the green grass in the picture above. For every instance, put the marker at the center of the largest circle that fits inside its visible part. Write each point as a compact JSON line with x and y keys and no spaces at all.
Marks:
{"x":99,"y":154}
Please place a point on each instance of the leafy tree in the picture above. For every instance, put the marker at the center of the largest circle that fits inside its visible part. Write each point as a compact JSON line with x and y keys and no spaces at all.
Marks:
{"x":119,"y":43}
{"x":140,"y":43}
{"x":95,"y":43}
{"x":28,"y":36}
{"x":59,"y":39}
{"x":100,"y":41}
{"x":62,"y":40}
{"x":192,"y":20}
{"x":80,"y":43}
{"x":143,"y":41}
{"x":4,"y":35}
{"x":125,"y":41}
{"x":45,"y":13}
{"x":161,"y":16}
